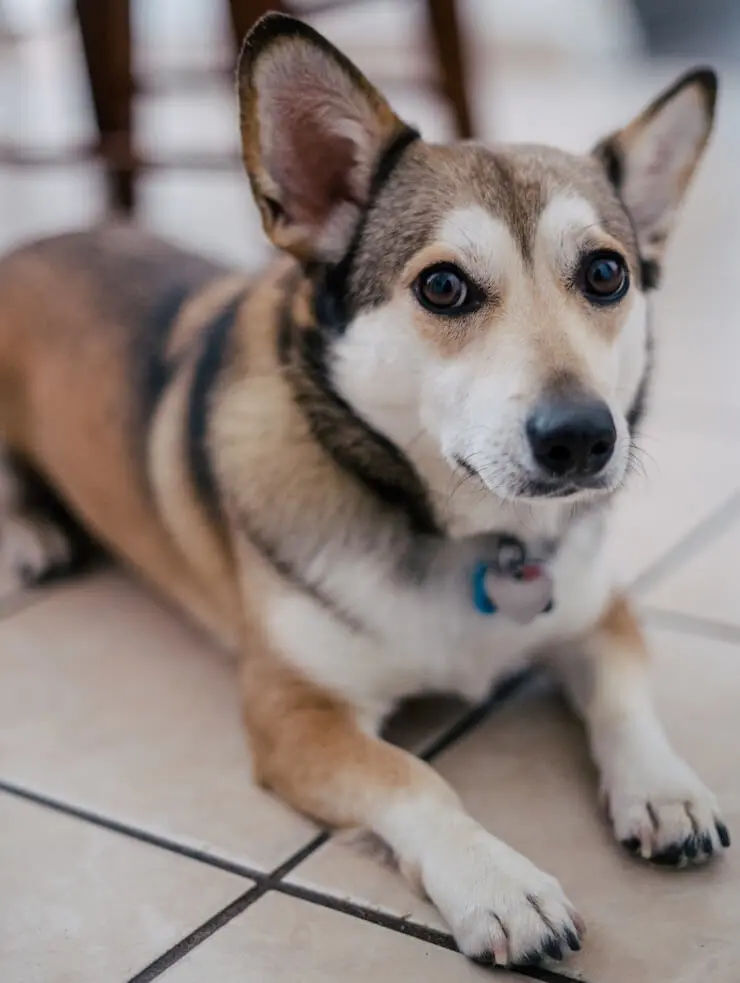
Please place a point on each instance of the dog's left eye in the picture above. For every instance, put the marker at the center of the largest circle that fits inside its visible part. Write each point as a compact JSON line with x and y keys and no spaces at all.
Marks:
{"x":604,"y":278}
{"x":444,"y":289}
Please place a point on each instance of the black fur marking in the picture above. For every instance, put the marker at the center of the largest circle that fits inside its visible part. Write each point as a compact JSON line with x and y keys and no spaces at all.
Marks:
{"x":611,"y":158}
{"x":39,"y":499}
{"x":208,"y":367}
{"x":362,"y":452}
{"x":156,"y":370}
{"x":288,"y":572}
{"x":613,"y":163}
{"x":636,"y":412}
{"x":286,"y":328}
{"x":649,"y":274}
{"x":703,"y":76}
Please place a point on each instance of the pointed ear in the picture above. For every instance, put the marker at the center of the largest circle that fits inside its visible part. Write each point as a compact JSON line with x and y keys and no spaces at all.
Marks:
{"x":313,"y":130}
{"x":651,"y":161}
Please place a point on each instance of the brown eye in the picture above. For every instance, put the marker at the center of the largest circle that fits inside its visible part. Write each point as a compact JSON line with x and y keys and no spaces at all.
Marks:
{"x":604,"y":278}
{"x":445,"y":290}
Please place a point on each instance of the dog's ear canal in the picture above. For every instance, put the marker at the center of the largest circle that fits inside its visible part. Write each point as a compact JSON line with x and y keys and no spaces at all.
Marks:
{"x":651,"y":161}
{"x":313,"y":129}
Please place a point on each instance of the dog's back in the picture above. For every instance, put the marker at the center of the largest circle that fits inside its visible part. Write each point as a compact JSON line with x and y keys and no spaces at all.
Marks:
{"x":98,"y":332}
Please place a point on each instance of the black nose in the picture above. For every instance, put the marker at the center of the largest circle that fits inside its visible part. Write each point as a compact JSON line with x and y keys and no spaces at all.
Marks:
{"x":574,"y":439}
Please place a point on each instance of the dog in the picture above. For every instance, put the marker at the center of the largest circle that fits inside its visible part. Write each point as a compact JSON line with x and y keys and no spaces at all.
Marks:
{"x":316,"y":463}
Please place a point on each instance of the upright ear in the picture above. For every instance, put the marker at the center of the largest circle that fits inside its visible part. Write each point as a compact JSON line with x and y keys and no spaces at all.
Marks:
{"x":313,"y":131}
{"x":651,"y":161}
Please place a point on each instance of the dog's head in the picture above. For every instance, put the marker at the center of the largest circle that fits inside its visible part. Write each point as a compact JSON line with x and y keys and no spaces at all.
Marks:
{"x":493,"y":300}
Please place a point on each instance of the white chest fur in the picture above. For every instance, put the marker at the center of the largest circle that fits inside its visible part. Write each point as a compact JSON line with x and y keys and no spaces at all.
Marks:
{"x":419,"y":646}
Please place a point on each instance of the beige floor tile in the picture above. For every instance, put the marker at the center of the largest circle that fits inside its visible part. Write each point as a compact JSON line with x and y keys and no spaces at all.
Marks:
{"x":706,"y":585}
{"x":525,"y":774}
{"x":110,"y":703}
{"x":81,"y":904}
{"x":281,"y":940}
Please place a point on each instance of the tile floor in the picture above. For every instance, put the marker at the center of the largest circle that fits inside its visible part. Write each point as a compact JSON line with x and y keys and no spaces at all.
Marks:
{"x":133,"y":846}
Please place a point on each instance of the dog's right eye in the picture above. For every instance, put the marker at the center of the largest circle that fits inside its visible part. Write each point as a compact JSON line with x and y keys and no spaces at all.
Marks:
{"x":604,"y":278}
{"x":444,"y":289}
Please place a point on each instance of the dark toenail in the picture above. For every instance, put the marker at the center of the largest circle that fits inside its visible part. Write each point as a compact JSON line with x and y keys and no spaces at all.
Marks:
{"x":632,"y":844}
{"x":484,"y":959}
{"x":691,"y":847}
{"x":530,"y":959}
{"x":572,"y":939}
{"x":723,"y":833}
{"x":706,"y":843}
{"x":668,"y":857}
{"x":552,"y":949}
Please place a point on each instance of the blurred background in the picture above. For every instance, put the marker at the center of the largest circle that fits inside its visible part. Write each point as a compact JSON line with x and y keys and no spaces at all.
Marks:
{"x":129,"y":105}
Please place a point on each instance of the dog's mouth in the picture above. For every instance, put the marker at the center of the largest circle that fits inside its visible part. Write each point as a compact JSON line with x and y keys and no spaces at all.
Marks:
{"x":535,"y":487}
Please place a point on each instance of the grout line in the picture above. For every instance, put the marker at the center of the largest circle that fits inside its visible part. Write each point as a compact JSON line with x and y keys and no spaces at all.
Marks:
{"x":299,"y":856}
{"x":689,"y":544}
{"x":692,"y":624}
{"x":457,"y":730}
{"x":402,"y":926}
{"x":135,"y":833}
{"x":469,"y":721}
{"x":275,"y":879}
{"x":395,"y":923}
{"x":203,"y":932}
{"x":392,"y":923}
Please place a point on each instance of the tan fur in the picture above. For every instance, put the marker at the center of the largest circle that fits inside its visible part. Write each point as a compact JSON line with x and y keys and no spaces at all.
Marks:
{"x":200,"y":309}
{"x":308,"y":748}
{"x":204,"y":547}
{"x":620,"y":626}
{"x":73,"y":419}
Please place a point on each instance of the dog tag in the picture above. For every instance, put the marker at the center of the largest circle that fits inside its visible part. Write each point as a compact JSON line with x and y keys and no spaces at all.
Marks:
{"x":521,"y":598}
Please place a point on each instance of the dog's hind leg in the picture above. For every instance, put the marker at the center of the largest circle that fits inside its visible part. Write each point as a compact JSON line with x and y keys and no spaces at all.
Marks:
{"x":39,"y":539}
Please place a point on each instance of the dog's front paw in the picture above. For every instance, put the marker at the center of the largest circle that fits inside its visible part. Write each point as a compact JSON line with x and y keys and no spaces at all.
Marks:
{"x":668,"y":817}
{"x":500,"y":907}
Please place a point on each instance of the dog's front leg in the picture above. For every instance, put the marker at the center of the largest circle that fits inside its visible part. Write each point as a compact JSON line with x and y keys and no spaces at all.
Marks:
{"x":658,"y":806}
{"x":309,"y":749}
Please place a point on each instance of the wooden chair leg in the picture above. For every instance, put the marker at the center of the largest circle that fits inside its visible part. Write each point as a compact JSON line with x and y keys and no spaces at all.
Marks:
{"x":245,"y":12}
{"x":105,"y":26}
{"x":447,"y":40}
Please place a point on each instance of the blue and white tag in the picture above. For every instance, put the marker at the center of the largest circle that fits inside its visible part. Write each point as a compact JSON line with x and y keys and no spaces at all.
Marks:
{"x":521,"y":597}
